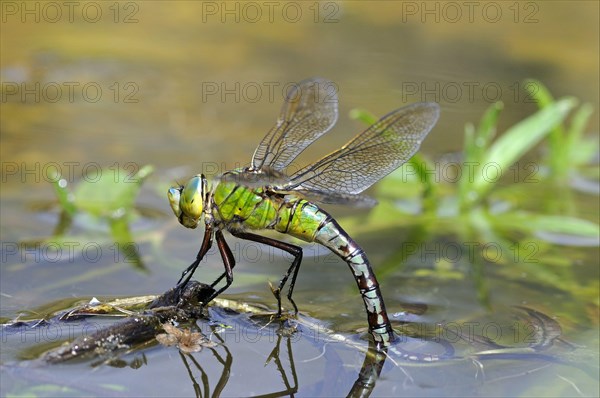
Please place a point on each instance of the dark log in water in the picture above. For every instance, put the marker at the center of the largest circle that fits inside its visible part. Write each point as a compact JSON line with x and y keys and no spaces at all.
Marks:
{"x":175,"y":305}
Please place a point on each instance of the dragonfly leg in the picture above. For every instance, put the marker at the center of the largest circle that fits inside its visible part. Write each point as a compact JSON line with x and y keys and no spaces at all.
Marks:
{"x":189,"y":271}
{"x":228,"y":263}
{"x":226,"y":255}
{"x":295,"y":267}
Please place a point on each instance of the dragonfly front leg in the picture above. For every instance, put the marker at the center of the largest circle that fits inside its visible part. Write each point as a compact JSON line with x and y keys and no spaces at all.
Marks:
{"x":228,"y":263}
{"x":189,"y":271}
{"x":295,"y":267}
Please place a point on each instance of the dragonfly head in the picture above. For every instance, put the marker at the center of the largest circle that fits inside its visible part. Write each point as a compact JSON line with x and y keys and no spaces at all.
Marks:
{"x":187,"y":201}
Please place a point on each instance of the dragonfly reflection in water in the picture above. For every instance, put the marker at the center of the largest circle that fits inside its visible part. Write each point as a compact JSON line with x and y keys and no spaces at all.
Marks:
{"x":363,"y":386}
{"x":263,"y":197}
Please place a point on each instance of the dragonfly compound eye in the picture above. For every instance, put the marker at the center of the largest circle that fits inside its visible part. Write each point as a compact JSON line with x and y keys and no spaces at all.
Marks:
{"x":174,"y":195}
{"x":191,"y":202}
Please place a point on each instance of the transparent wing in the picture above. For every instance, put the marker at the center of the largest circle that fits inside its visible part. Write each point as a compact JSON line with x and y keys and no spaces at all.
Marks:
{"x":265,"y":177}
{"x":337,"y":198}
{"x":309,"y":111}
{"x":276,"y":181}
{"x":371,"y":155}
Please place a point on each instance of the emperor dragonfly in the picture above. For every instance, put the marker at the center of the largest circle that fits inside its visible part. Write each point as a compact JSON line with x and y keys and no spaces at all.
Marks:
{"x":262,"y":196}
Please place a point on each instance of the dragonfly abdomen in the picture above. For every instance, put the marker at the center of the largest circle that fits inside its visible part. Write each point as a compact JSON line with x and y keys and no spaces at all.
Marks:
{"x":331,"y":235}
{"x":299,"y":218}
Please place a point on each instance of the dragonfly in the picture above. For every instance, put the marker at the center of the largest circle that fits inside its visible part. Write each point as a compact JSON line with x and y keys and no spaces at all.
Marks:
{"x":263,"y":196}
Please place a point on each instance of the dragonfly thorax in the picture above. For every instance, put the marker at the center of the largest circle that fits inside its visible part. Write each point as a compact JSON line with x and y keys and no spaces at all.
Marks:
{"x":187,"y":201}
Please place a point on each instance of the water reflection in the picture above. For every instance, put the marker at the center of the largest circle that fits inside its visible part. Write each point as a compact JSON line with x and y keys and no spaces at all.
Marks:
{"x":412,"y":362}
{"x":221,"y":383}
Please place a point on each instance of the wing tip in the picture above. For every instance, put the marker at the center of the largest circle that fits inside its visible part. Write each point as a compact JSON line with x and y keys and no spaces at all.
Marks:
{"x":433,"y":108}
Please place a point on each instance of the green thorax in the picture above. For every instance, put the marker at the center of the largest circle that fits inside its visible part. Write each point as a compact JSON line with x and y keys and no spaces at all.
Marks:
{"x":241,"y":207}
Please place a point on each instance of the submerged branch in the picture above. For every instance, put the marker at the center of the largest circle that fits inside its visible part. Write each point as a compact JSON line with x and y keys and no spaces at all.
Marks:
{"x":176,"y":305}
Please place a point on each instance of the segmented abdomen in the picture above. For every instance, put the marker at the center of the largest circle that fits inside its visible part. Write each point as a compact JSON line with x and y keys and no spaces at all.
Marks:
{"x":331,"y":235}
{"x":307,"y":221}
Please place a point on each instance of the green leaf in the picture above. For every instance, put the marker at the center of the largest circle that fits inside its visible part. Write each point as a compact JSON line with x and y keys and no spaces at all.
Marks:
{"x":470,"y":151}
{"x":112,"y":193}
{"x":539,"y":92}
{"x":519,"y":139}
{"x":575,"y":137}
{"x":537,"y":223}
{"x":476,"y":143}
{"x":558,"y":156}
{"x":422,"y":168}
{"x":487,"y":128}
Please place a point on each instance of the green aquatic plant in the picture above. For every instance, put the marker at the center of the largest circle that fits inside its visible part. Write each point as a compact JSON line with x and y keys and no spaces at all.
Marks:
{"x":109,"y":195}
{"x":474,"y":189}
{"x":568,"y":149}
{"x":480,"y":150}
{"x":484,"y":211}
{"x":106,"y":200}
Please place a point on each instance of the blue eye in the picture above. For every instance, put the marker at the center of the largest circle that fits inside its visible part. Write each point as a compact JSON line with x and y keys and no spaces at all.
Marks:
{"x":174,"y":195}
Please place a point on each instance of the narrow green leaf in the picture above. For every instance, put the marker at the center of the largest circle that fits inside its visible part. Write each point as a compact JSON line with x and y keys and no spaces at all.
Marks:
{"x":549,"y":223}
{"x":470,"y":153}
{"x":558,"y":155}
{"x":469,"y":144}
{"x":487,"y":127}
{"x":575,"y":135}
{"x":476,"y":143}
{"x":65,"y":198}
{"x":519,"y":139}
{"x":538,"y":92}
{"x":422,"y":167}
